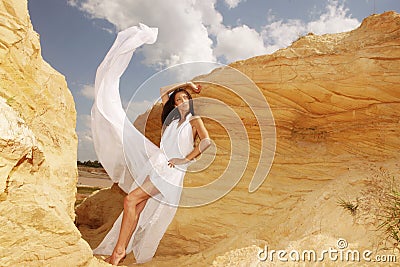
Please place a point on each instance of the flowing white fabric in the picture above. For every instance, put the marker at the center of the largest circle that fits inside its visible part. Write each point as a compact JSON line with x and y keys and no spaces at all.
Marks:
{"x":129,"y":157}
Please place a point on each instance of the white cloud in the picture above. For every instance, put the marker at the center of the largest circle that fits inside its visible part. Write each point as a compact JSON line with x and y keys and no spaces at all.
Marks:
{"x":85,"y":141}
{"x":236,"y":43}
{"x":182,"y":35}
{"x":210,"y":17}
{"x":136,"y":108}
{"x":88,"y":91}
{"x":72,"y":3}
{"x":271,"y":16}
{"x":85,"y":120}
{"x":279,"y":34}
{"x":233,"y":3}
{"x":335,"y":19}
{"x":239,"y":43}
{"x":187,"y":28}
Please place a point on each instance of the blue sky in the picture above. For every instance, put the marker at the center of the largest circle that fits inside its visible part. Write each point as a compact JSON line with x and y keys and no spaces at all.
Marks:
{"x":75,"y":35}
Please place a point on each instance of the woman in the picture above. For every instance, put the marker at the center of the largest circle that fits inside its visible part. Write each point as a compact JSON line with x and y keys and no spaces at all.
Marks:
{"x":151,"y":176}
{"x":177,"y":109}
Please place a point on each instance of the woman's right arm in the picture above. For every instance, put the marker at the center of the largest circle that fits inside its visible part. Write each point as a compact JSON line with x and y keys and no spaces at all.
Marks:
{"x":165,"y":90}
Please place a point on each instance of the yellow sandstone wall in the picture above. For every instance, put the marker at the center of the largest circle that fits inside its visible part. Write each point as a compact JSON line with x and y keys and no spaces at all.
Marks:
{"x":38,"y":152}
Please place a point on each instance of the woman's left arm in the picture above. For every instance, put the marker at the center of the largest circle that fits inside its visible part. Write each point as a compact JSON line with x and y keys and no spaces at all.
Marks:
{"x":205,"y":142}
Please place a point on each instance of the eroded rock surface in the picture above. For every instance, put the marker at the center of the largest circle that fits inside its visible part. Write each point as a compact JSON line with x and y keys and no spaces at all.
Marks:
{"x":38,"y":152}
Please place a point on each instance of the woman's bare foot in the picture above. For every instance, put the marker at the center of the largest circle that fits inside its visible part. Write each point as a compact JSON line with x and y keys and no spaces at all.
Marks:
{"x":116,"y":257}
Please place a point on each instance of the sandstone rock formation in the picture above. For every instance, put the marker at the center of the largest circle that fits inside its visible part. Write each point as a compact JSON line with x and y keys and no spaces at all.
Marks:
{"x":335,"y":100}
{"x":38,"y":147}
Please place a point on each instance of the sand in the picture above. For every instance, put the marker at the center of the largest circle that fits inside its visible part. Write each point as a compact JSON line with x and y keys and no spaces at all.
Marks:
{"x":93,"y":177}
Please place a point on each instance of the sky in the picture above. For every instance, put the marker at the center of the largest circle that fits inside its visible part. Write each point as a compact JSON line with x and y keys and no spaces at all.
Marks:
{"x":75,"y":35}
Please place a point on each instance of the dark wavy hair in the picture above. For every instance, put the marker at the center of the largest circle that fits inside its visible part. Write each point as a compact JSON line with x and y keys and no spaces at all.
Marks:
{"x":170,"y":112}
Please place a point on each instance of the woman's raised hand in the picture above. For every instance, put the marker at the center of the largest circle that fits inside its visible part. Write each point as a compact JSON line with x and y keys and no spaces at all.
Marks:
{"x":195,"y":88}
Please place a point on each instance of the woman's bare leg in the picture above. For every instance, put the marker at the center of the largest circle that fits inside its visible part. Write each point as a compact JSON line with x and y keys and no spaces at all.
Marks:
{"x":139,"y":209}
{"x":130,"y":217}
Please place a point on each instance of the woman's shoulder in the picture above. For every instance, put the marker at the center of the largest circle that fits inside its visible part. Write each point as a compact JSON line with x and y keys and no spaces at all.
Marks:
{"x":195,"y":120}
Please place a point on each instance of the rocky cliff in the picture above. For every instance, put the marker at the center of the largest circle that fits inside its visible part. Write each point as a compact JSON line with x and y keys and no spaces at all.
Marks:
{"x":335,"y":100}
{"x":38,"y":152}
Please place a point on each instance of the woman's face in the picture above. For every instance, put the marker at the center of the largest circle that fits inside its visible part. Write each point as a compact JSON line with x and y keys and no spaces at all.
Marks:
{"x":182,"y":101}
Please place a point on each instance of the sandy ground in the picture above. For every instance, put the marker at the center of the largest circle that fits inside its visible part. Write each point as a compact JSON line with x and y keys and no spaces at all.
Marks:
{"x":95,"y":177}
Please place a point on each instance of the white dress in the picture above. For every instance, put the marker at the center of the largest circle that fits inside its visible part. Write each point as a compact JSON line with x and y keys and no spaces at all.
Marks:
{"x":129,"y":157}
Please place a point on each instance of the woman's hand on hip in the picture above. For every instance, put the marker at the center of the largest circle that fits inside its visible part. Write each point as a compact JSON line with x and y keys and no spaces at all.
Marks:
{"x":177,"y":161}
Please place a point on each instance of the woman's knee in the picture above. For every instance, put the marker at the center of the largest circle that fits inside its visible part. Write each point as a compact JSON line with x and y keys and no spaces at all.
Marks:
{"x":130,"y":201}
